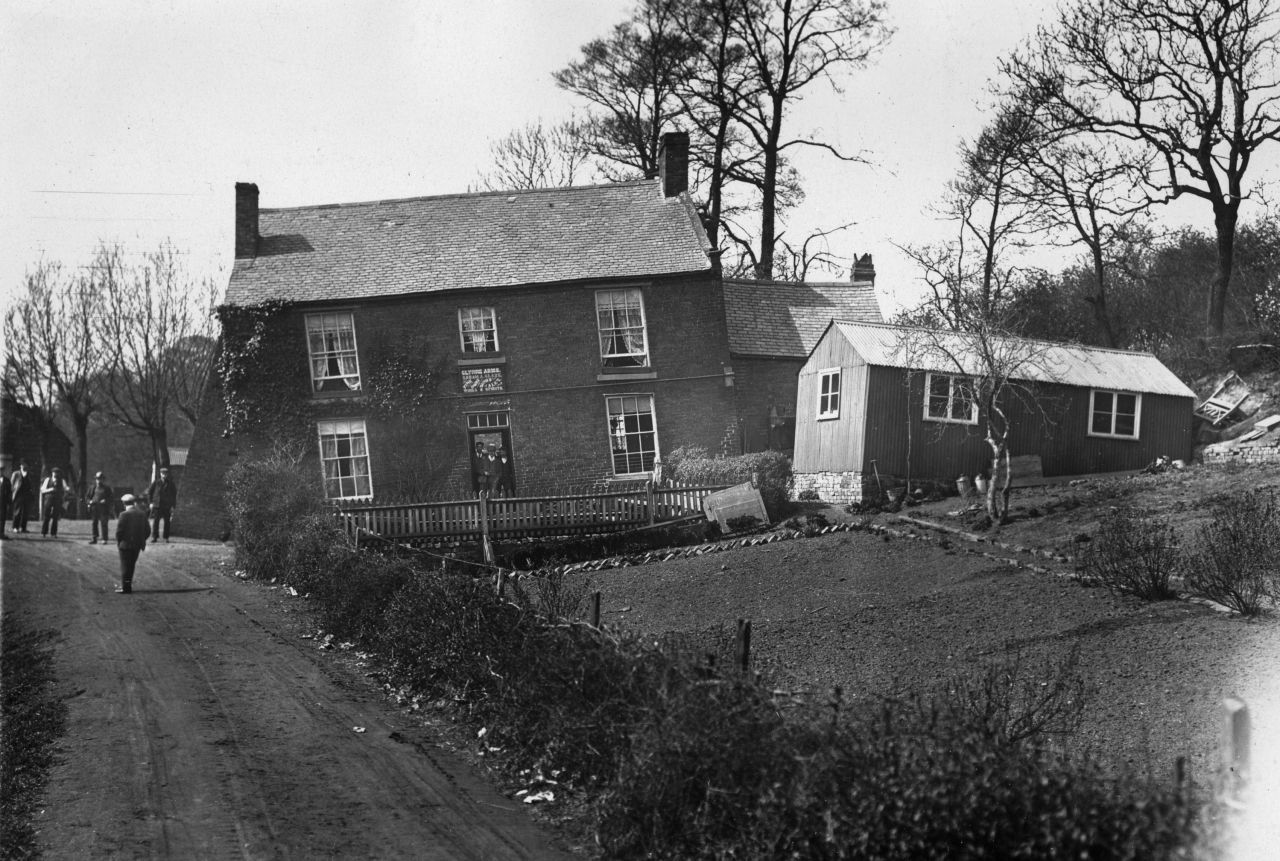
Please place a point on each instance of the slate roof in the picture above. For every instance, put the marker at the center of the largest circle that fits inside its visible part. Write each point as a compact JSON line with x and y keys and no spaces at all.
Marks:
{"x":769,"y":318}
{"x":1042,"y":361}
{"x":352,"y":251}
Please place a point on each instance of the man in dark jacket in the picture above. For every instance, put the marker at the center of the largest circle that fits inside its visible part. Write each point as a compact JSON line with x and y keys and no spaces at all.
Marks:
{"x":163,"y":495}
{"x":132,"y":530}
{"x":101,"y":501}
{"x":6,"y":499}
{"x":53,"y":497}
{"x":24,"y":487}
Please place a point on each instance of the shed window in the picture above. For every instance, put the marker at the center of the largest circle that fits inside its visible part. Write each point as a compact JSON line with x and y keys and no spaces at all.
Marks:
{"x":950,"y":398}
{"x":331,"y":342}
{"x":829,"y":393}
{"x":620,"y":320}
{"x":479,"y":330}
{"x":633,"y":434}
{"x":344,"y":454}
{"x":1114,"y":414}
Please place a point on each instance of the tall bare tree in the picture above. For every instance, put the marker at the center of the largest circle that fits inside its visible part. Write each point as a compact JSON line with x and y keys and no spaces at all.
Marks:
{"x":539,"y":156}
{"x":1194,"y":82}
{"x":161,"y":321}
{"x":33,"y":334}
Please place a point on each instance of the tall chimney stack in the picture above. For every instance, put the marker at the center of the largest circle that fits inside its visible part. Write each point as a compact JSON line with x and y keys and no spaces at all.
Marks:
{"x":246,"y":219}
{"x":864,"y":271}
{"x":673,"y":163}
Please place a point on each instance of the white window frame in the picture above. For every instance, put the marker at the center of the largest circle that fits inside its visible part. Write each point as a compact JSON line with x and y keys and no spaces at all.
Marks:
{"x":350,"y":429}
{"x":950,"y":418}
{"x":609,"y":414}
{"x":488,"y":329}
{"x":1115,"y":393}
{"x":609,"y":303}
{"x":326,"y":325}
{"x":828,"y":399}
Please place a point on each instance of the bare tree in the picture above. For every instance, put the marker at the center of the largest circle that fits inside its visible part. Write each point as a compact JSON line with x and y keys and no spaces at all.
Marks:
{"x":1194,"y":82}
{"x":972,"y":275}
{"x":33,"y":334}
{"x":630,"y":78}
{"x":788,"y":47}
{"x":538,"y":156}
{"x":161,"y":321}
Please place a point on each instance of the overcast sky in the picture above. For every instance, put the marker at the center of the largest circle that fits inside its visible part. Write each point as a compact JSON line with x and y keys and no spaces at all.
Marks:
{"x":132,"y":120}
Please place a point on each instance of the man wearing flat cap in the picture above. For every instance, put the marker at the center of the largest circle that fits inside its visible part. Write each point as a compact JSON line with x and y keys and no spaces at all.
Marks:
{"x":101,"y":501}
{"x":53,"y":496}
{"x":132,"y":531}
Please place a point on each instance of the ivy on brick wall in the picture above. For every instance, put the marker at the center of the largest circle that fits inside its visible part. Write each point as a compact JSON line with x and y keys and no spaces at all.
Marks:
{"x":254,"y":364}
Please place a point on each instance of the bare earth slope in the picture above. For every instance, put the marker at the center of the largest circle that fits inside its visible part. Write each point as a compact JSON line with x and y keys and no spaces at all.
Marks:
{"x":201,"y":726}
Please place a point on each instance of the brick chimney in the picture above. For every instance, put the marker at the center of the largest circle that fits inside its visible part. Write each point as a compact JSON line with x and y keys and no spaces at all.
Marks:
{"x":864,"y":271}
{"x":673,"y":163}
{"x":246,"y":219}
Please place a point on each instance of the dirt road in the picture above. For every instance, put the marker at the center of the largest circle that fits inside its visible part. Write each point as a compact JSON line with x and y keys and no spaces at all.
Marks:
{"x":202,"y":726}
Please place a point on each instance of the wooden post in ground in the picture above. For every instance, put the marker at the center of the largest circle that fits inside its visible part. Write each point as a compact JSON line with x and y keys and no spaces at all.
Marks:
{"x":486,"y":545}
{"x":501,"y":582}
{"x":1235,"y":748}
{"x":648,"y":501}
{"x":742,"y":645}
{"x":595,"y":609}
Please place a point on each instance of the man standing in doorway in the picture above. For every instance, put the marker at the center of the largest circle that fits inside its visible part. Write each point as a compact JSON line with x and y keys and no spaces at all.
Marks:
{"x":132,"y":530}
{"x":163,"y":494}
{"x":100,"y":499}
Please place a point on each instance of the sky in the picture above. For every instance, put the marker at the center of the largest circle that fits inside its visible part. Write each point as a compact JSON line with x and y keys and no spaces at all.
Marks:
{"x":131,"y":120}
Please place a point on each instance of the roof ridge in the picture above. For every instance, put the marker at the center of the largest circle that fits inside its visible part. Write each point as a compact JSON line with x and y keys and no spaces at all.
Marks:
{"x":1044,"y":341}
{"x":630,"y":183}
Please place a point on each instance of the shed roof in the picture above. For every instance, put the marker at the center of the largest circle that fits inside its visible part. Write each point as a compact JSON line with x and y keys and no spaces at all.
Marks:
{"x":353,"y":251}
{"x":770,"y":318}
{"x":1040,"y":361}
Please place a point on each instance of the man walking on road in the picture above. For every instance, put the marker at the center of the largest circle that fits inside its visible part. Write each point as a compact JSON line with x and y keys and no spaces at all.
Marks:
{"x":163,"y":494}
{"x":132,"y":530}
{"x":100,"y":499}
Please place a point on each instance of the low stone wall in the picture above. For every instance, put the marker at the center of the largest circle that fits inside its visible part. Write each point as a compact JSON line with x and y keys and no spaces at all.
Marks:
{"x":1243,"y":453}
{"x":834,"y":487}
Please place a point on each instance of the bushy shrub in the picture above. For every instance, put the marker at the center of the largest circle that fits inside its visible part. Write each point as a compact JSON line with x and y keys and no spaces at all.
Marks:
{"x":266,"y":501}
{"x":724,"y":773}
{"x":772,"y":469}
{"x":1132,"y":554}
{"x":1235,"y":558}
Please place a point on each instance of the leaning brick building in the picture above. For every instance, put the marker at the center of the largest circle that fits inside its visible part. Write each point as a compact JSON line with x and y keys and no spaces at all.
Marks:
{"x":579,"y":330}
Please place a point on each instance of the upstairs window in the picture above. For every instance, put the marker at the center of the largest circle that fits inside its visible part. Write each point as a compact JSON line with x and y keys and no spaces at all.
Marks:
{"x":1114,"y":414}
{"x":620,"y":319}
{"x":950,"y":398}
{"x":331,"y":341}
{"x":633,"y":435}
{"x":829,"y":393}
{"x":478,"y":328}
{"x":344,"y":455}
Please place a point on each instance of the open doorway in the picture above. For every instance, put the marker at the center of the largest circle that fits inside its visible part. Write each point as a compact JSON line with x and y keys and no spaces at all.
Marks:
{"x":493,"y":466}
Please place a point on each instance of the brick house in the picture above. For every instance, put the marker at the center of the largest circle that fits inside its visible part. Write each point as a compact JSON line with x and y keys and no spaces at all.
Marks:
{"x":578,"y":330}
{"x":773,"y":326}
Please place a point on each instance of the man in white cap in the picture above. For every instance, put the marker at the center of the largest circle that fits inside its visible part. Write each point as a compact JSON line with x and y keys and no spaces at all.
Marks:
{"x":100,"y":499}
{"x":132,"y":531}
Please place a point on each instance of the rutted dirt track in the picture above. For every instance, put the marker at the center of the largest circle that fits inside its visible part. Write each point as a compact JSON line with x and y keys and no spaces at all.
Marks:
{"x":202,"y":727}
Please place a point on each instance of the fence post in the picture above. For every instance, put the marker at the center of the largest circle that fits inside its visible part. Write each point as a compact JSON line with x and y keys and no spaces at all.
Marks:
{"x":742,"y":645}
{"x":501,"y":582}
{"x":1235,"y":748}
{"x":648,"y":501}
{"x":595,"y":609}
{"x":483,"y":504}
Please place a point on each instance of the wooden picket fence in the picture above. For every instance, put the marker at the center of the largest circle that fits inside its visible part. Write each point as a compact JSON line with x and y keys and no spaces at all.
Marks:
{"x":521,"y":517}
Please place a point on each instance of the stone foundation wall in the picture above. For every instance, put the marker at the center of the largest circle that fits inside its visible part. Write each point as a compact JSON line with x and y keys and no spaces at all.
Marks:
{"x":1243,"y":453}
{"x":834,"y":487}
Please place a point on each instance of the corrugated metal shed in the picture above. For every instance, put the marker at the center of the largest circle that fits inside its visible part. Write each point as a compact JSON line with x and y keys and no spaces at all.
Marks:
{"x":1038,"y":361}
{"x":355,"y":251}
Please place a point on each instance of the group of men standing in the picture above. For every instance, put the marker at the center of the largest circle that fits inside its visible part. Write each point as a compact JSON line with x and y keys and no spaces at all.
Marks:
{"x":491,"y":470}
{"x":19,"y":490}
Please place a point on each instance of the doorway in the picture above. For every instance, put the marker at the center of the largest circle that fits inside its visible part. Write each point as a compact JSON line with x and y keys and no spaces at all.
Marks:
{"x":493,"y":465}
